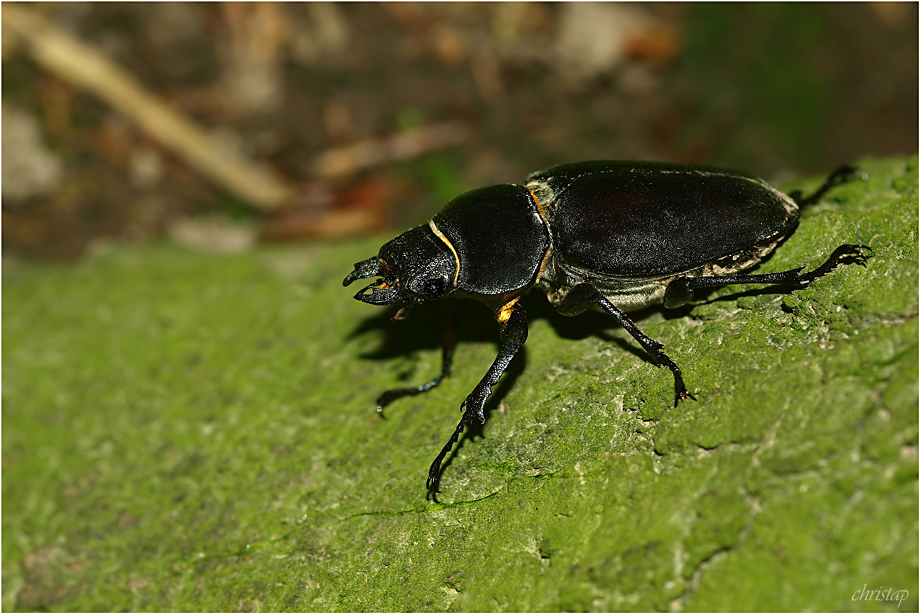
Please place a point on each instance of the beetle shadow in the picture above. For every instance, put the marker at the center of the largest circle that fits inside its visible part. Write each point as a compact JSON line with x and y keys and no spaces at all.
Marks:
{"x":424,"y":331}
{"x":596,"y":324}
{"x":775,"y":290}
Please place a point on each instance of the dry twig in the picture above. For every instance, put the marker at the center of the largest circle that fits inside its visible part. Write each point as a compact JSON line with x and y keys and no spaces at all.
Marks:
{"x":349,"y":159}
{"x":83,"y":66}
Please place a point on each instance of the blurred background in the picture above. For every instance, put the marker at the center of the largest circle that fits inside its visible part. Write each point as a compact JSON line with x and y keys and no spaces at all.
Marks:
{"x":220,"y":126}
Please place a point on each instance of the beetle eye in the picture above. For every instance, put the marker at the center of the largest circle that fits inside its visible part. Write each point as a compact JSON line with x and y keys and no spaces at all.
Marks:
{"x":434,"y":288}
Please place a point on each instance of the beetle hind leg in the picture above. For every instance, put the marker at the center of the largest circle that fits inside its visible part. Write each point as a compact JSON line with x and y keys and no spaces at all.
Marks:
{"x":680,"y":291}
{"x":840,"y":175}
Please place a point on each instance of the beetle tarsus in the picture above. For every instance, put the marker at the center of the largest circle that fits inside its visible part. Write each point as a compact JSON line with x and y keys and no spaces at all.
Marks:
{"x":388,"y":396}
{"x":680,"y":390}
{"x":434,"y":472}
{"x":845,"y":254}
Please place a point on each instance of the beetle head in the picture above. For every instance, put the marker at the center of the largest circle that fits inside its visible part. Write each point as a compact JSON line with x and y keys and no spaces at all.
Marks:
{"x":414,"y":267}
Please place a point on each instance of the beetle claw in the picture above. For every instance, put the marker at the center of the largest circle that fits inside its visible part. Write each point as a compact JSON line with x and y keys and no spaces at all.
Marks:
{"x":682,"y":395}
{"x":859,"y":254}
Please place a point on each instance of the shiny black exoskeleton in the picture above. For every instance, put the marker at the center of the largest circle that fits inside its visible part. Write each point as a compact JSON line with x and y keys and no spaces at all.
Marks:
{"x":612,"y":236}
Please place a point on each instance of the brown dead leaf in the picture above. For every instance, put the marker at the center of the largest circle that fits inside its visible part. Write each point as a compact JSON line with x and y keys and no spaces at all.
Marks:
{"x":657,"y":44}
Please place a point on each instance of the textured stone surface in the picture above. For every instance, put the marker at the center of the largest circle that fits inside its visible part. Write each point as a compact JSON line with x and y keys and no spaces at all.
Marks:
{"x":196,"y":432}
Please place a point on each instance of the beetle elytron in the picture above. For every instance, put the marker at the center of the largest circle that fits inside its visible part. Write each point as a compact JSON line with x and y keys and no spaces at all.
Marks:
{"x":613,"y":236}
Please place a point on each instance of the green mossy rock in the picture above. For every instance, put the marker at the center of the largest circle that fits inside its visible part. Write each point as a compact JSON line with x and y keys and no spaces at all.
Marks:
{"x":197,"y":432}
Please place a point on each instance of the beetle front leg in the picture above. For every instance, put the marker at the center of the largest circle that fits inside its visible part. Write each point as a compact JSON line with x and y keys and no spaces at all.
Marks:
{"x":513,"y":321}
{"x":680,"y":291}
{"x":447,"y":357}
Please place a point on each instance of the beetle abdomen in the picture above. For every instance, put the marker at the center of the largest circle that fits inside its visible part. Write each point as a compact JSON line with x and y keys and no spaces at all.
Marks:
{"x":640,"y":220}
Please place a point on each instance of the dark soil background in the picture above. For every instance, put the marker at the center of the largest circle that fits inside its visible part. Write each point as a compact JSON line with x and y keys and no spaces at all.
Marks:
{"x":777,"y":90}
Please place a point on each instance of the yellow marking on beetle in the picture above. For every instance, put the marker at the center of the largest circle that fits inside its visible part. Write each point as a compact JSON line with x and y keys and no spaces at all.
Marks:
{"x":549,"y":251}
{"x":504,"y":314}
{"x":540,"y":210}
{"x":447,"y":242}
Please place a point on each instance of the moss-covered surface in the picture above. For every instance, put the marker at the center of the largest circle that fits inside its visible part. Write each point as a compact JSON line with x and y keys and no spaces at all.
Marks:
{"x":191,"y":432}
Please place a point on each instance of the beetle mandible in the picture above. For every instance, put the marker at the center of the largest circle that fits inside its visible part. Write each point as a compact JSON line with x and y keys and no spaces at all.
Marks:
{"x":612,"y":236}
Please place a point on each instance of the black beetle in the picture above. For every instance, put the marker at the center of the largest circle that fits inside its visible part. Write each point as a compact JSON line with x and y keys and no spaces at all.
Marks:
{"x":612,"y":236}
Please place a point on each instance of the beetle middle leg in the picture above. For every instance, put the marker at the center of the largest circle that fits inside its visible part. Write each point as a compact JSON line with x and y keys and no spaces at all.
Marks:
{"x":513,"y":321}
{"x":648,"y":344}
{"x":585,"y":295}
{"x":447,"y":357}
{"x":680,"y":291}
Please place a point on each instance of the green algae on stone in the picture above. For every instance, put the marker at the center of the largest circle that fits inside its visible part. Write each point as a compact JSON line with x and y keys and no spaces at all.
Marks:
{"x":197,"y":432}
